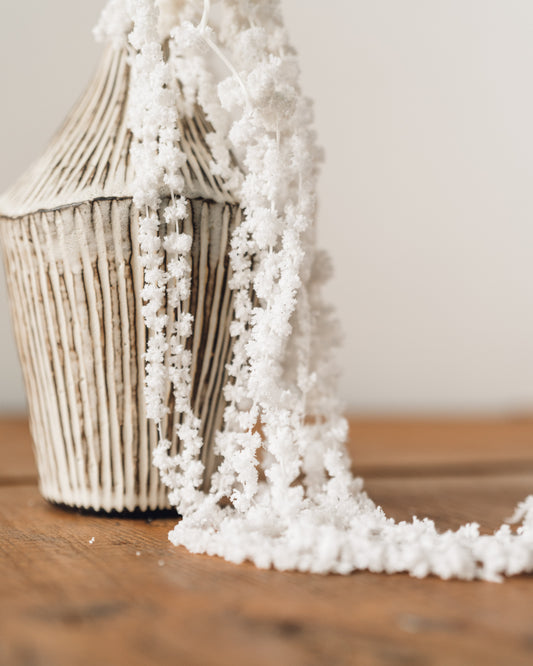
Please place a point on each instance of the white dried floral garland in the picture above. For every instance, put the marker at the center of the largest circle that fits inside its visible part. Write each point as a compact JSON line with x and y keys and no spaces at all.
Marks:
{"x":310,"y":513}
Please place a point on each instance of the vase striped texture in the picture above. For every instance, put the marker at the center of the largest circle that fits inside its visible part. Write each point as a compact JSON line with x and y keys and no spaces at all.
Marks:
{"x":69,"y":235}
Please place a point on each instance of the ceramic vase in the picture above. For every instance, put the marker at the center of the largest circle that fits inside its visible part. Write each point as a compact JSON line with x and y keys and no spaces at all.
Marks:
{"x":69,"y":234}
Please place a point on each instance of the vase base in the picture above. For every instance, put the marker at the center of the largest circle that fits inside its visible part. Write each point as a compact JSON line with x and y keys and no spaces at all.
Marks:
{"x":135,"y":514}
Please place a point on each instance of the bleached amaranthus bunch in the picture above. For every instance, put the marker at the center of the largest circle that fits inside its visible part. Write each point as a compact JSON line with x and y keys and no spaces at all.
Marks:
{"x":308,"y":513}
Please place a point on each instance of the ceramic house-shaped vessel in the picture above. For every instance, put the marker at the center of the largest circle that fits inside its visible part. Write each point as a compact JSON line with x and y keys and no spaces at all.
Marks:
{"x":69,"y":235}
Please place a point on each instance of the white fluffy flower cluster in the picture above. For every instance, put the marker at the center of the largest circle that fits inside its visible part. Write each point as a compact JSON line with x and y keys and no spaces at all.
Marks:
{"x":308,"y":513}
{"x":165,"y":250}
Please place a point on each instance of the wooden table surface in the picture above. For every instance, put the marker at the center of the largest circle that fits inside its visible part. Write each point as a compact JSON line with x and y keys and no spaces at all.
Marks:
{"x":131,"y":598}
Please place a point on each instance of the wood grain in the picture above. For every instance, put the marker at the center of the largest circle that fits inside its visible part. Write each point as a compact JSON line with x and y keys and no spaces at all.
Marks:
{"x":132,"y":598}
{"x":17,"y":462}
{"x":455,"y":446}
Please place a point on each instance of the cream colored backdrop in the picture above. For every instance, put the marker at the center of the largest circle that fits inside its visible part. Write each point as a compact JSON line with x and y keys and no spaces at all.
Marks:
{"x":425,"y":108}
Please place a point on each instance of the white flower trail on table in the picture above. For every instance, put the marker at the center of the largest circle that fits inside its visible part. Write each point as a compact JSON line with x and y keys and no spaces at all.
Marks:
{"x":308,"y":513}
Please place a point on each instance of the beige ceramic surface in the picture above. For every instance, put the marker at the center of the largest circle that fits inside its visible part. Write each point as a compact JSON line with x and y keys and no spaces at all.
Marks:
{"x":69,"y":235}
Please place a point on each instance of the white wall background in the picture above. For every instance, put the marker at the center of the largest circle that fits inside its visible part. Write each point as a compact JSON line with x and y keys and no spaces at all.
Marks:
{"x":425,"y":108}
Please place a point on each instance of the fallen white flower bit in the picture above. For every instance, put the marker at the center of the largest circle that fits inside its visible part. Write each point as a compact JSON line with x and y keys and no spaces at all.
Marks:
{"x":309,"y":513}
